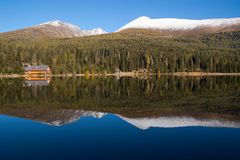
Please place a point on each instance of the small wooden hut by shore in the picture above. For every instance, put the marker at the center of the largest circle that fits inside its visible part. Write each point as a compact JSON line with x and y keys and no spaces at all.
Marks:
{"x":33,"y":70}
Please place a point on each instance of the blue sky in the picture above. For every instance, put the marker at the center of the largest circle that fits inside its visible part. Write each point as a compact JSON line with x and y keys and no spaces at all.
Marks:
{"x":108,"y":14}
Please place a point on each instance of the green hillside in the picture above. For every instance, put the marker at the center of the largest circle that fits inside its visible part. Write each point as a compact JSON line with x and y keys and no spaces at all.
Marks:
{"x":219,"y":52}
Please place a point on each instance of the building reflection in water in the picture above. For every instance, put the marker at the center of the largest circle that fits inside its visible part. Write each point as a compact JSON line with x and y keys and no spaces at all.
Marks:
{"x":37,"y":81}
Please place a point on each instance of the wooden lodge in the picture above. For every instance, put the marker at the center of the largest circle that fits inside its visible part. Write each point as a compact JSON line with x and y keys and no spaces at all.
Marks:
{"x":35,"y":70}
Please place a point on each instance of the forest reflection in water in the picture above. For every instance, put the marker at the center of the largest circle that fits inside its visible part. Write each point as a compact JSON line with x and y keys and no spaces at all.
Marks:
{"x":145,"y":103}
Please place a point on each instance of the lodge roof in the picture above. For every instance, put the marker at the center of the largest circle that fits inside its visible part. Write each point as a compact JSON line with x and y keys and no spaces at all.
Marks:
{"x":37,"y":68}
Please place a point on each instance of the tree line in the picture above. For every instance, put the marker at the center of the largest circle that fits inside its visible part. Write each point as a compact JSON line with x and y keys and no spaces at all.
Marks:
{"x":109,"y":53}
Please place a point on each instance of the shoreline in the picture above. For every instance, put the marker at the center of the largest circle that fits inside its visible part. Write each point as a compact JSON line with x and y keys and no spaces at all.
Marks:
{"x":124,"y":74}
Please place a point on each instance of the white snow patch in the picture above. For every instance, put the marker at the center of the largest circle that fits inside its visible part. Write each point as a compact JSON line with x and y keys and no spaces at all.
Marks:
{"x":178,"y":24}
{"x":97,"y":31}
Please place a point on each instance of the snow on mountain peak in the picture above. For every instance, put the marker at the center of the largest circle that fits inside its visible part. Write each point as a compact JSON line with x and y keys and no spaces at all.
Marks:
{"x":75,"y":30}
{"x":56,"y":23}
{"x":98,"y":31}
{"x":178,"y":24}
{"x":143,"y":18}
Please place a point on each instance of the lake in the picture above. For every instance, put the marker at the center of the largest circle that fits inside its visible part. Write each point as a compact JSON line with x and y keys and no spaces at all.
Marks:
{"x":120,"y":118}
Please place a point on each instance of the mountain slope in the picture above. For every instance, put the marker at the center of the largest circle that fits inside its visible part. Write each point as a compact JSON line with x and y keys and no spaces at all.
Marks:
{"x":172,"y":26}
{"x":168,"y":27}
{"x":52,"y":29}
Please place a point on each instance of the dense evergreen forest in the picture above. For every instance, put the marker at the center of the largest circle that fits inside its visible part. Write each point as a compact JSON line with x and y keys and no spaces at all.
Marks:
{"x":218,"y":52}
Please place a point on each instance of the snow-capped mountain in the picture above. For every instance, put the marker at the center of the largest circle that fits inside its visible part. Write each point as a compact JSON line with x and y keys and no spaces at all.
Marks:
{"x":70,"y":30}
{"x":53,"y":29}
{"x":179,"y":24}
{"x":97,"y":31}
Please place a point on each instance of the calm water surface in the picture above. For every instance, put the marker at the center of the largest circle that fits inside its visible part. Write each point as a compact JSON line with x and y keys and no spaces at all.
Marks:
{"x":126,"y":118}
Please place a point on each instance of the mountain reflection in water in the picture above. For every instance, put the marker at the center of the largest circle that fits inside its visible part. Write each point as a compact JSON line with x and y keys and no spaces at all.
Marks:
{"x":66,"y":117}
{"x":144,"y":103}
{"x":109,"y":118}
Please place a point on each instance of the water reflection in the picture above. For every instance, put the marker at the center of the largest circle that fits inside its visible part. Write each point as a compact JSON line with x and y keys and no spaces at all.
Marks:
{"x":66,"y":117}
{"x":37,"y":81}
{"x":144,"y":103}
{"x":109,"y":118}
{"x":176,"y":122}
